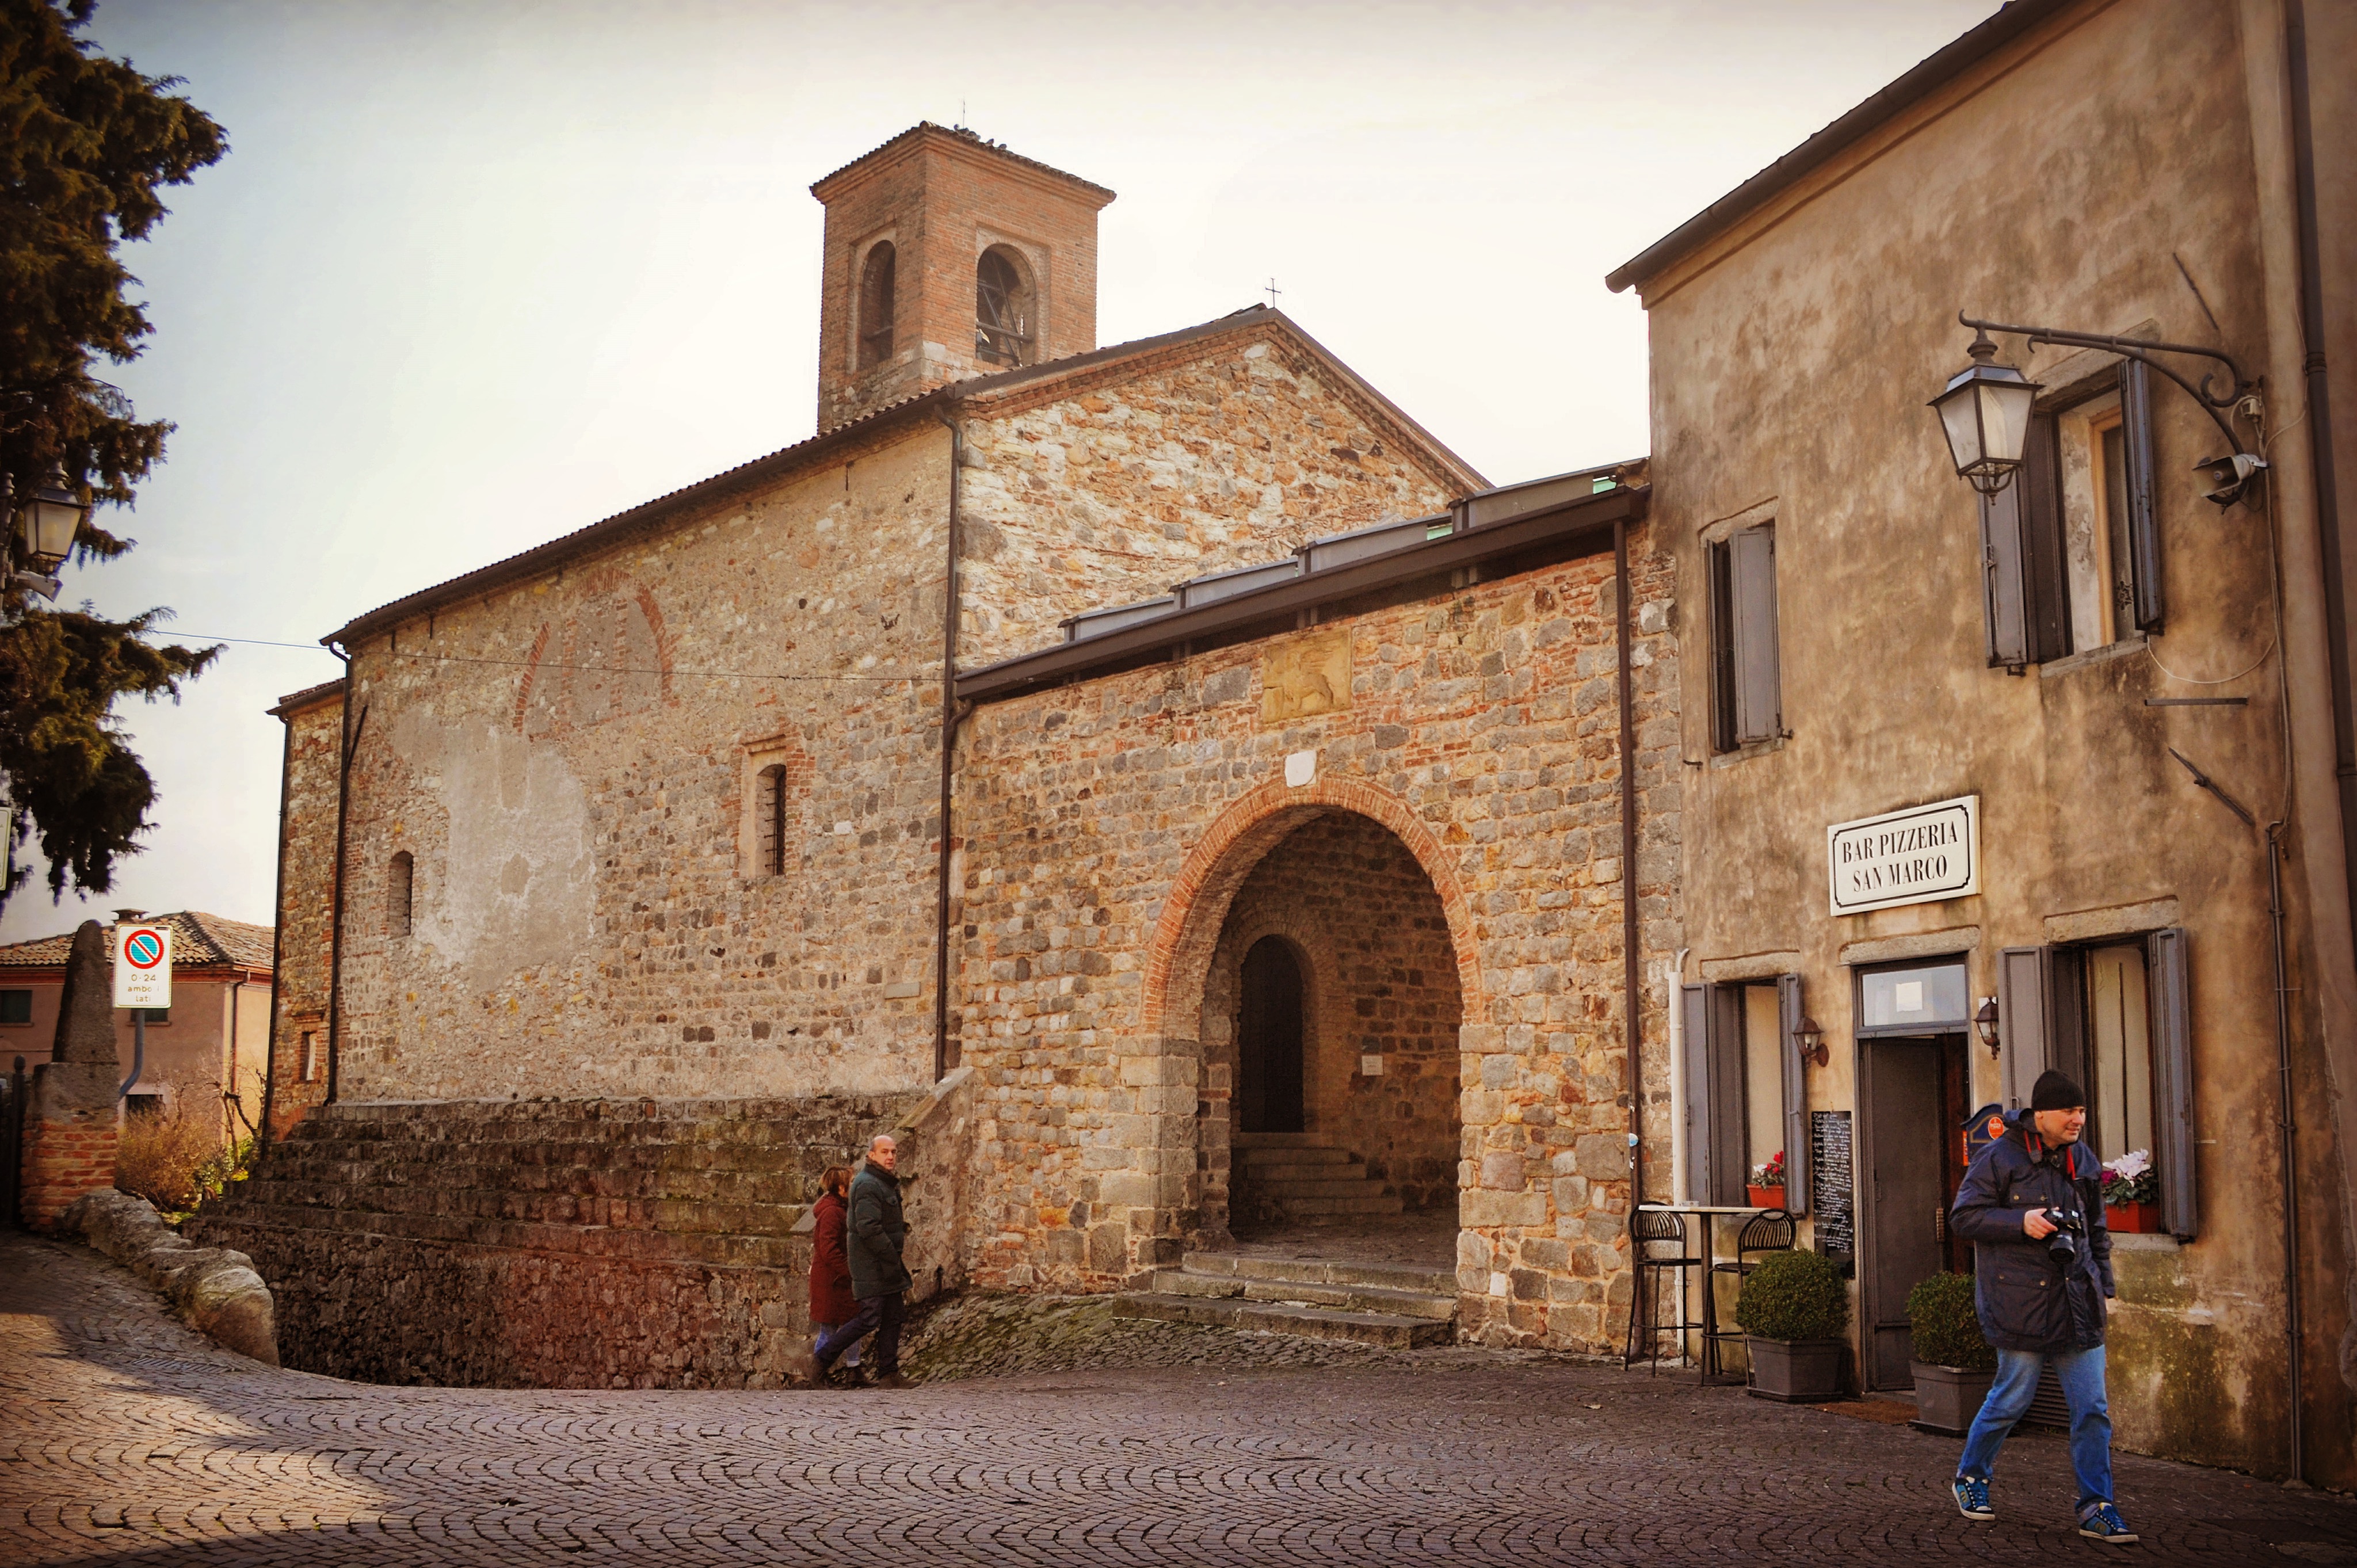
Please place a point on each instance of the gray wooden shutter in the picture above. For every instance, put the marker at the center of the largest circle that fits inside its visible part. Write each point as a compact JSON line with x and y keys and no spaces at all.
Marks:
{"x":2171,"y":1013}
{"x":1789,"y":1013}
{"x":2001,"y":595}
{"x":2045,"y":572}
{"x":1722,"y":649}
{"x":1758,"y":708}
{"x":2144,"y":516}
{"x":1729,"y":1113}
{"x":1696,"y":1110}
{"x":2024,"y":992}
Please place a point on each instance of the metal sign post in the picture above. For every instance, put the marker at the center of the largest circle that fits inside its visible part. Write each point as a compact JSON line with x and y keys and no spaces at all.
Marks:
{"x":143,"y":979}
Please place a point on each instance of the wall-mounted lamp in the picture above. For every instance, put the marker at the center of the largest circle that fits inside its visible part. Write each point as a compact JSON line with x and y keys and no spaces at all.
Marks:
{"x":1985,"y":1024}
{"x":1985,"y":409}
{"x":1810,"y":1037}
{"x":46,"y":526}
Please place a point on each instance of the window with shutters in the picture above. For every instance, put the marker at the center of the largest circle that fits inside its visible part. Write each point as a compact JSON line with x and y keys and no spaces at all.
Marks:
{"x":2116,"y":1017}
{"x":1747,"y":696}
{"x":877,"y":283}
{"x":1746,"y":1097}
{"x":1003,"y":308}
{"x":2071,"y":549}
{"x":400,"y":889}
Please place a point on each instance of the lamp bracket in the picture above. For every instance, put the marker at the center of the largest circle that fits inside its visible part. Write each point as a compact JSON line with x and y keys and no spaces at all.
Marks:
{"x":2142,"y":350}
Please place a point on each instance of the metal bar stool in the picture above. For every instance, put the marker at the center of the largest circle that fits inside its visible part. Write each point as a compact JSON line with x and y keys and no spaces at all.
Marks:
{"x":1771,"y":1230}
{"x":1654,"y":1228}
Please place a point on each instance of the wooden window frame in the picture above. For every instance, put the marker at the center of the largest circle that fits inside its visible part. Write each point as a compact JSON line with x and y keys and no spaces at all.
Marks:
{"x":1747,"y":688}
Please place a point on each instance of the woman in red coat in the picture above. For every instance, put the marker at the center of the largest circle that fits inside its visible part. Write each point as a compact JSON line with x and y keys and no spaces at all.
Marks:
{"x":831,"y":1298}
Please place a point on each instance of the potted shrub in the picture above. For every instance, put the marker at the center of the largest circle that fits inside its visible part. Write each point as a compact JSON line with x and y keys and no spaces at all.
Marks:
{"x":2132,"y":1193}
{"x":1792,"y":1312}
{"x":1953,"y":1365}
{"x":1767,"y":1186}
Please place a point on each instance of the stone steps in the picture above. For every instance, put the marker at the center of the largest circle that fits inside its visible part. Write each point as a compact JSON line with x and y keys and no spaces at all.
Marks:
{"x":1305,"y":1178}
{"x":1368,"y":1304}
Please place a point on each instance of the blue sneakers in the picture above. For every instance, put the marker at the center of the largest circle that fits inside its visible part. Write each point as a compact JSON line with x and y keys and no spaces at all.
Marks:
{"x":1972,"y":1498}
{"x":2102,"y":1522}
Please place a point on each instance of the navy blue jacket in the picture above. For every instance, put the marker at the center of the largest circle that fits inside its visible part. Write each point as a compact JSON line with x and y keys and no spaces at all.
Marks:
{"x":877,"y":1232}
{"x":2025,"y":1301}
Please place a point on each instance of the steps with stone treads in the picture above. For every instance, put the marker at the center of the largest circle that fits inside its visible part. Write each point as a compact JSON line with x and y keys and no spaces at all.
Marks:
{"x":1305,"y":1178}
{"x":1393,"y":1305}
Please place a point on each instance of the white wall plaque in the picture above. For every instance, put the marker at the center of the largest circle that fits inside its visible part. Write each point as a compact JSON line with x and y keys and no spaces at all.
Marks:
{"x":143,"y":966}
{"x":1920,"y":855}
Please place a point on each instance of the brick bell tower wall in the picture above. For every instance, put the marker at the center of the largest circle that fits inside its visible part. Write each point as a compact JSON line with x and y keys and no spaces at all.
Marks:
{"x":941,"y":198}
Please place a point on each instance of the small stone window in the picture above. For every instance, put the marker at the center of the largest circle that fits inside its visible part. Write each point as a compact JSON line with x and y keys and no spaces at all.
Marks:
{"x":400,"y":881}
{"x":877,"y":279}
{"x":313,"y":1064}
{"x":769,"y":820}
{"x":1003,"y":309}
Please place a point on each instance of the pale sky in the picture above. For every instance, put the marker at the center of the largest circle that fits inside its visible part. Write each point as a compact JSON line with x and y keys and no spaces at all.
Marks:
{"x":475,"y":275}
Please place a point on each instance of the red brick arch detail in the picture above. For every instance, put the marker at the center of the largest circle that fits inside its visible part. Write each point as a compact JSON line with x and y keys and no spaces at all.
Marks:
{"x":1179,"y":952}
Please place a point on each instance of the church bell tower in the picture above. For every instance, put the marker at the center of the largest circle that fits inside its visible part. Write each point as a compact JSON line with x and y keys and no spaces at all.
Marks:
{"x":948,"y":257}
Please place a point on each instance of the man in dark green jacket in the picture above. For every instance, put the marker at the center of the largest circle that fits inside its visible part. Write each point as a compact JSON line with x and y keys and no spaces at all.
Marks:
{"x":878,"y":1278}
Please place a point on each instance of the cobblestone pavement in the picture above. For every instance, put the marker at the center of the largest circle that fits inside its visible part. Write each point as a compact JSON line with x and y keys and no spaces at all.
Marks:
{"x":124,"y":1438}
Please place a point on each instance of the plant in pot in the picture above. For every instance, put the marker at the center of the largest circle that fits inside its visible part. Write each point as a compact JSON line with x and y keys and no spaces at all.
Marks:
{"x":1792,"y":1312}
{"x":1953,"y":1365}
{"x":2132,"y":1193}
{"x":1767,"y":1186}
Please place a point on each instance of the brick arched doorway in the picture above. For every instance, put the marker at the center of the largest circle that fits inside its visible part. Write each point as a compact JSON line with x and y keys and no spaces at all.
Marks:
{"x":1350,"y":886}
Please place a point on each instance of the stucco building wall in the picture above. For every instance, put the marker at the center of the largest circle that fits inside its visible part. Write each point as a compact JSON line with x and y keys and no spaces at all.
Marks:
{"x":2061,"y":183}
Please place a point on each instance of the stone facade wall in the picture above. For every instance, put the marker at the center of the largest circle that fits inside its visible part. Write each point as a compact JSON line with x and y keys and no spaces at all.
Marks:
{"x":1229,"y":452}
{"x":1380,"y":979}
{"x":1108,"y":827}
{"x":941,"y":198}
{"x":306,"y":869}
{"x":553,"y":1244}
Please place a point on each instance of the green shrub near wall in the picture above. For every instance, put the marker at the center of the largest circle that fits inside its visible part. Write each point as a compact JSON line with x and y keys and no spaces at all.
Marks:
{"x":1947,"y":1327}
{"x":1794,"y":1295}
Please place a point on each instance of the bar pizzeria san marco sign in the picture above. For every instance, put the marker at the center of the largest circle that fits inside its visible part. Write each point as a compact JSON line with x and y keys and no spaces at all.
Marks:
{"x":1920,"y":855}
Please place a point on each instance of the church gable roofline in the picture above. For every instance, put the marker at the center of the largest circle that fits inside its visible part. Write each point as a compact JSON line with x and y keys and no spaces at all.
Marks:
{"x":958,"y":141}
{"x":1935,"y":72}
{"x":1029,"y":384}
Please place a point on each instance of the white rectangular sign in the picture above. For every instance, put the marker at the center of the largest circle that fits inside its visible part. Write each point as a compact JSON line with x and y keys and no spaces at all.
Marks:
{"x":143,"y":966}
{"x":1920,"y":855}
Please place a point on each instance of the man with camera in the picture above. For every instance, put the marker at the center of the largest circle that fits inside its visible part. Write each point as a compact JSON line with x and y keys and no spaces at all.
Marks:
{"x":2032,"y":1206}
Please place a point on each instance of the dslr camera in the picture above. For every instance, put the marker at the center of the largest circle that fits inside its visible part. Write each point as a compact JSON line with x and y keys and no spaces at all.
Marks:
{"x":2069,"y":1226}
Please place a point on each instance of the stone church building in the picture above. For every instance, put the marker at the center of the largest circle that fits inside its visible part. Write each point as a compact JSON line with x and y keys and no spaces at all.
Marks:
{"x":1162,"y":780}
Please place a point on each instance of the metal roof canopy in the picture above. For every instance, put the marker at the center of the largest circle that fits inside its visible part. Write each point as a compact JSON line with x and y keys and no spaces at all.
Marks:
{"x":1577,"y":525}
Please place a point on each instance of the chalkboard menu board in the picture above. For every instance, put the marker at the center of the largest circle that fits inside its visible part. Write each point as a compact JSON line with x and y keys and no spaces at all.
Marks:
{"x":1831,"y":1191}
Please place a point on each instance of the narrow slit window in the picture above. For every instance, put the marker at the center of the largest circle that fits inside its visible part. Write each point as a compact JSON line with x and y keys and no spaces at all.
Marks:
{"x":401,"y":883}
{"x":877,"y":283}
{"x":769,"y":800}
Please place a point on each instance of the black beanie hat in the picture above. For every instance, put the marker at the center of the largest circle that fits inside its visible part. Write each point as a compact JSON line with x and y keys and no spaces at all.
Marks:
{"x":2055,"y":1091}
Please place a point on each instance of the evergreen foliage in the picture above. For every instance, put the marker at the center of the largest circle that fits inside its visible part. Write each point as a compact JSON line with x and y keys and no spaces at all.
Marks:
{"x":1794,"y":1295}
{"x":85,"y":144}
{"x":1947,"y":1327}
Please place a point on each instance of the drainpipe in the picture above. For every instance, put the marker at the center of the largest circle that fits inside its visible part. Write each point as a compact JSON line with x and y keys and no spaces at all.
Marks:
{"x":2289,"y":1142}
{"x":950,"y":717}
{"x":278,"y":942}
{"x":336,"y":912}
{"x":1632,"y":987}
{"x":2319,"y":439}
{"x":1673,"y":975}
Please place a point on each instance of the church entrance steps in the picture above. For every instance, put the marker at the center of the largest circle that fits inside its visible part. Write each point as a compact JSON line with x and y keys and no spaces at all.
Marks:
{"x":1305,"y":1178}
{"x":1371,"y":1304}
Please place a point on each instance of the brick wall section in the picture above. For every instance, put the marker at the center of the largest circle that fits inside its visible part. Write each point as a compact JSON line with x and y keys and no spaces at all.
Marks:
{"x":1226,"y":453}
{"x":306,"y":869}
{"x":1110,"y":825}
{"x":64,"y":1159}
{"x":554,"y":1244}
{"x":941,"y":198}
{"x":1380,"y":977}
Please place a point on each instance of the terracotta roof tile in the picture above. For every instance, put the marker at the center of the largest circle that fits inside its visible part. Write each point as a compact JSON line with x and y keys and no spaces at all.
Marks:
{"x":198,"y":942}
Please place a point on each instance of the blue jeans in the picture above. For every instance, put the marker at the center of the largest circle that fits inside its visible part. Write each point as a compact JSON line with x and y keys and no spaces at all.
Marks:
{"x":821,"y":1330}
{"x":2081,"y":1373}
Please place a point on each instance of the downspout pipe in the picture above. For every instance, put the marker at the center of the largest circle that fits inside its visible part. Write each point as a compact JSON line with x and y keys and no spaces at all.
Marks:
{"x":336,"y":912}
{"x":1631,"y":983}
{"x":950,"y":717}
{"x":2288,"y":1121}
{"x":277,"y":941}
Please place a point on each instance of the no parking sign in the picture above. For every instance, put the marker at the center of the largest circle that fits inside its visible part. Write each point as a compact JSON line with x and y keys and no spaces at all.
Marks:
{"x":143,"y":966}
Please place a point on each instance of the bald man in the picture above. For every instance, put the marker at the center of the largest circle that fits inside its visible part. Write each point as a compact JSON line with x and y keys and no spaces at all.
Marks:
{"x":879,"y":1279}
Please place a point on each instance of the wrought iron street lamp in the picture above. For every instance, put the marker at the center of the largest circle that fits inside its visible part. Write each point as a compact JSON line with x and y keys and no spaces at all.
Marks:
{"x":1985,"y":1024}
{"x":46,"y":526}
{"x":1810,"y":1035}
{"x":1985,"y":412}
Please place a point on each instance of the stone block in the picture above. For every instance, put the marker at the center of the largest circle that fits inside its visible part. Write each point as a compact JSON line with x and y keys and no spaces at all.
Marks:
{"x":1481,"y":1207}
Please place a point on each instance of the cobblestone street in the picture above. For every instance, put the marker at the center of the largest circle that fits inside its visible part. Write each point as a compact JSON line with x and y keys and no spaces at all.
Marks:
{"x":126,"y":1438}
